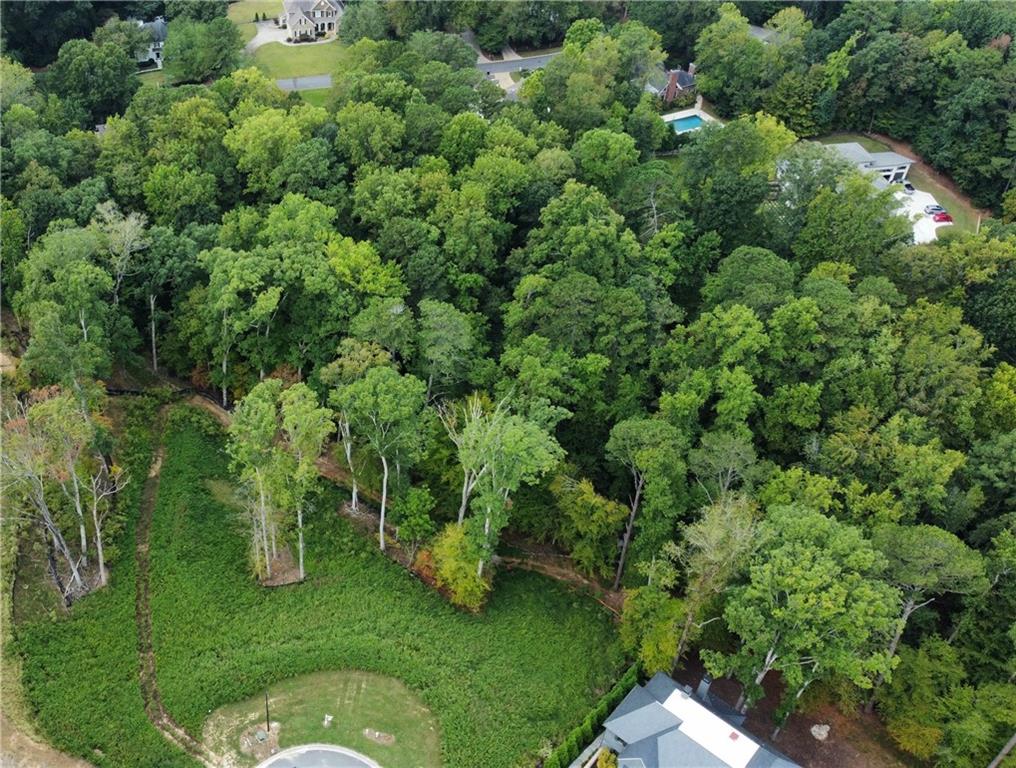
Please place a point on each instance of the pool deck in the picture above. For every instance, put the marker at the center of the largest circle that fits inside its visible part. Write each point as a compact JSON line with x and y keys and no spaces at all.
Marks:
{"x":671,"y":117}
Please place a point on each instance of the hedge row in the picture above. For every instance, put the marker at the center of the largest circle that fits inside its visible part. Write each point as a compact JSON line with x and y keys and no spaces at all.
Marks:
{"x":583,"y":734}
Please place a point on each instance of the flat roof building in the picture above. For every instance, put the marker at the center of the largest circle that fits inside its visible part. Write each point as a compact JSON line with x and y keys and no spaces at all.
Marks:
{"x":891,"y":166}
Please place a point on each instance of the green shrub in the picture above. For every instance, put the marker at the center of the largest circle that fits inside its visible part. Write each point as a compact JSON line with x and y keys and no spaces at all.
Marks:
{"x":455,"y":560}
{"x":553,"y":761}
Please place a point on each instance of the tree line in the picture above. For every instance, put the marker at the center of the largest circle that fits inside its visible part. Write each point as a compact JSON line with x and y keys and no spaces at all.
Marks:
{"x":725,"y":381}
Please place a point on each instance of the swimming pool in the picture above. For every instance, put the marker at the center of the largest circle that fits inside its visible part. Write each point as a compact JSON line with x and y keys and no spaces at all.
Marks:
{"x":687,"y":123}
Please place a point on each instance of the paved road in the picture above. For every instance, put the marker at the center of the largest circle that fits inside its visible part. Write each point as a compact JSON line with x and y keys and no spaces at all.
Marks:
{"x":306,"y":83}
{"x":315,"y":82}
{"x":318,"y":756}
{"x":515,"y":65}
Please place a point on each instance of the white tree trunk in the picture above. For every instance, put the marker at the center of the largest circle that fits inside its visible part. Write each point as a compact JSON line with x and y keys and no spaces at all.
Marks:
{"x":384,"y":502}
{"x":299,"y":533}
{"x":1009,"y":747}
{"x":99,"y":553}
{"x":264,"y":527}
{"x":467,"y":487}
{"x":639,"y":482}
{"x":347,"y":445}
{"x":486,"y":533}
{"x":909,"y":606}
{"x":151,"y":328}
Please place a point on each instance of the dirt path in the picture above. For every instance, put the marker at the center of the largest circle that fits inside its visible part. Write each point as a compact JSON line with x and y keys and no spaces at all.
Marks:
{"x":19,"y":750}
{"x":154,"y":708}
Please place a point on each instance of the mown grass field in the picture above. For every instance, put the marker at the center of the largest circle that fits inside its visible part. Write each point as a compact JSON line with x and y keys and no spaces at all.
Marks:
{"x":154,"y":77}
{"x":317,"y":97}
{"x":499,"y":684}
{"x":358,"y":702}
{"x":277,"y":60}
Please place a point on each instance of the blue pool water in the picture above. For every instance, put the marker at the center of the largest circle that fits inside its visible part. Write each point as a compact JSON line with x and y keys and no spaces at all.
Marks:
{"x":689,"y":123}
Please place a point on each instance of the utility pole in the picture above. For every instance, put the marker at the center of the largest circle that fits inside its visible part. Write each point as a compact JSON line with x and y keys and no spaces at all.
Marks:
{"x":268,"y":721}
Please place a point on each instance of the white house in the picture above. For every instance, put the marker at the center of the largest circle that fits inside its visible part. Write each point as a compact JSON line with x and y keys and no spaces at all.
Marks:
{"x":891,"y":166}
{"x":310,"y":18}
{"x":153,"y":53}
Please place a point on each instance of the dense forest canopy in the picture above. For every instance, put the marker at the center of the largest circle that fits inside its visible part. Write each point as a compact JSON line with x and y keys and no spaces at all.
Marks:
{"x":712,"y":368}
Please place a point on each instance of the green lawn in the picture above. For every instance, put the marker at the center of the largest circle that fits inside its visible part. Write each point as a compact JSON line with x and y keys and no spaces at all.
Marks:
{"x":357,"y":702}
{"x":242,"y":13}
{"x":964,"y":214}
{"x":155,"y":77}
{"x":317,"y":97}
{"x":499,"y":684}
{"x":841,"y":138}
{"x":277,"y":60}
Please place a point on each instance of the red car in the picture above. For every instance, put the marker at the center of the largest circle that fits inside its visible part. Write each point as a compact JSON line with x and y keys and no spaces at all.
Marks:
{"x":942,"y":217}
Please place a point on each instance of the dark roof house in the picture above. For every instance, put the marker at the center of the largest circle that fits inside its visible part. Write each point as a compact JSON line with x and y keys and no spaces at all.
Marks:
{"x":157,"y":39}
{"x":664,"y":725}
{"x":667,"y":84}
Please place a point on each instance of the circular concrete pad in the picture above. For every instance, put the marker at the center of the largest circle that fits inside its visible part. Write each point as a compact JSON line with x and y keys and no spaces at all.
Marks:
{"x":318,"y":756}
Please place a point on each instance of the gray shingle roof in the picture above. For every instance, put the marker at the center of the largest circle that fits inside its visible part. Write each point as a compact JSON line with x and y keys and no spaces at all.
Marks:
{"x":645,"y":734}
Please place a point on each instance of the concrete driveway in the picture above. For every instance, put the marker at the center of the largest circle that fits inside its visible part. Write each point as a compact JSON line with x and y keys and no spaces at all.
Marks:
{"x":912,"y":206}
{"x":515,"y":65}
{"x":267,"y":32}
{"x":318,"y":756}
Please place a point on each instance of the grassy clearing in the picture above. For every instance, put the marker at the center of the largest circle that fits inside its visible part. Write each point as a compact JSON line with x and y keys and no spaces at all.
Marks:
{"x":317,"y":97}
{"x":155,"y":77}
{"x":277,"y":60}
{"x":356,"y":700}
{"x":964,"y":215}
{"x":80,"y":672}
{"x":498,"y":684}
{"x":242,"y":14}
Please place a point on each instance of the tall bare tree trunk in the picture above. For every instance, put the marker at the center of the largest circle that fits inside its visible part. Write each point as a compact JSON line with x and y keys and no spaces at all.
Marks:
{"x":742,"y":700}
{"x":1009,"y":747}
{"x":384,"y":502}
{"x":639,"y":482}
{"x":347,"y":445}
{"x":264,"y":528}
{"x":225,"y":366}
{"x":299,"y":533}
{"x":908,"y":609}
{"x":683,"y":640}
{"x":82,"y":533}
{"x":465,"y":495}
{"x":486,"y":532}
{"x":151,"y":329}
{"x":99,"y":553}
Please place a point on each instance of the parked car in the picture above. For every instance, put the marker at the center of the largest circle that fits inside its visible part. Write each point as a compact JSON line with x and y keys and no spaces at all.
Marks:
{"x":908,"y":188}
{"x":933,"y":209}
{"x":942,"y":216}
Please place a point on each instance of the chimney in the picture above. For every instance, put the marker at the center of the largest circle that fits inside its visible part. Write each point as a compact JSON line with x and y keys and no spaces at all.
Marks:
{"x":703,"y":687}
{"x":691,"y":68}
